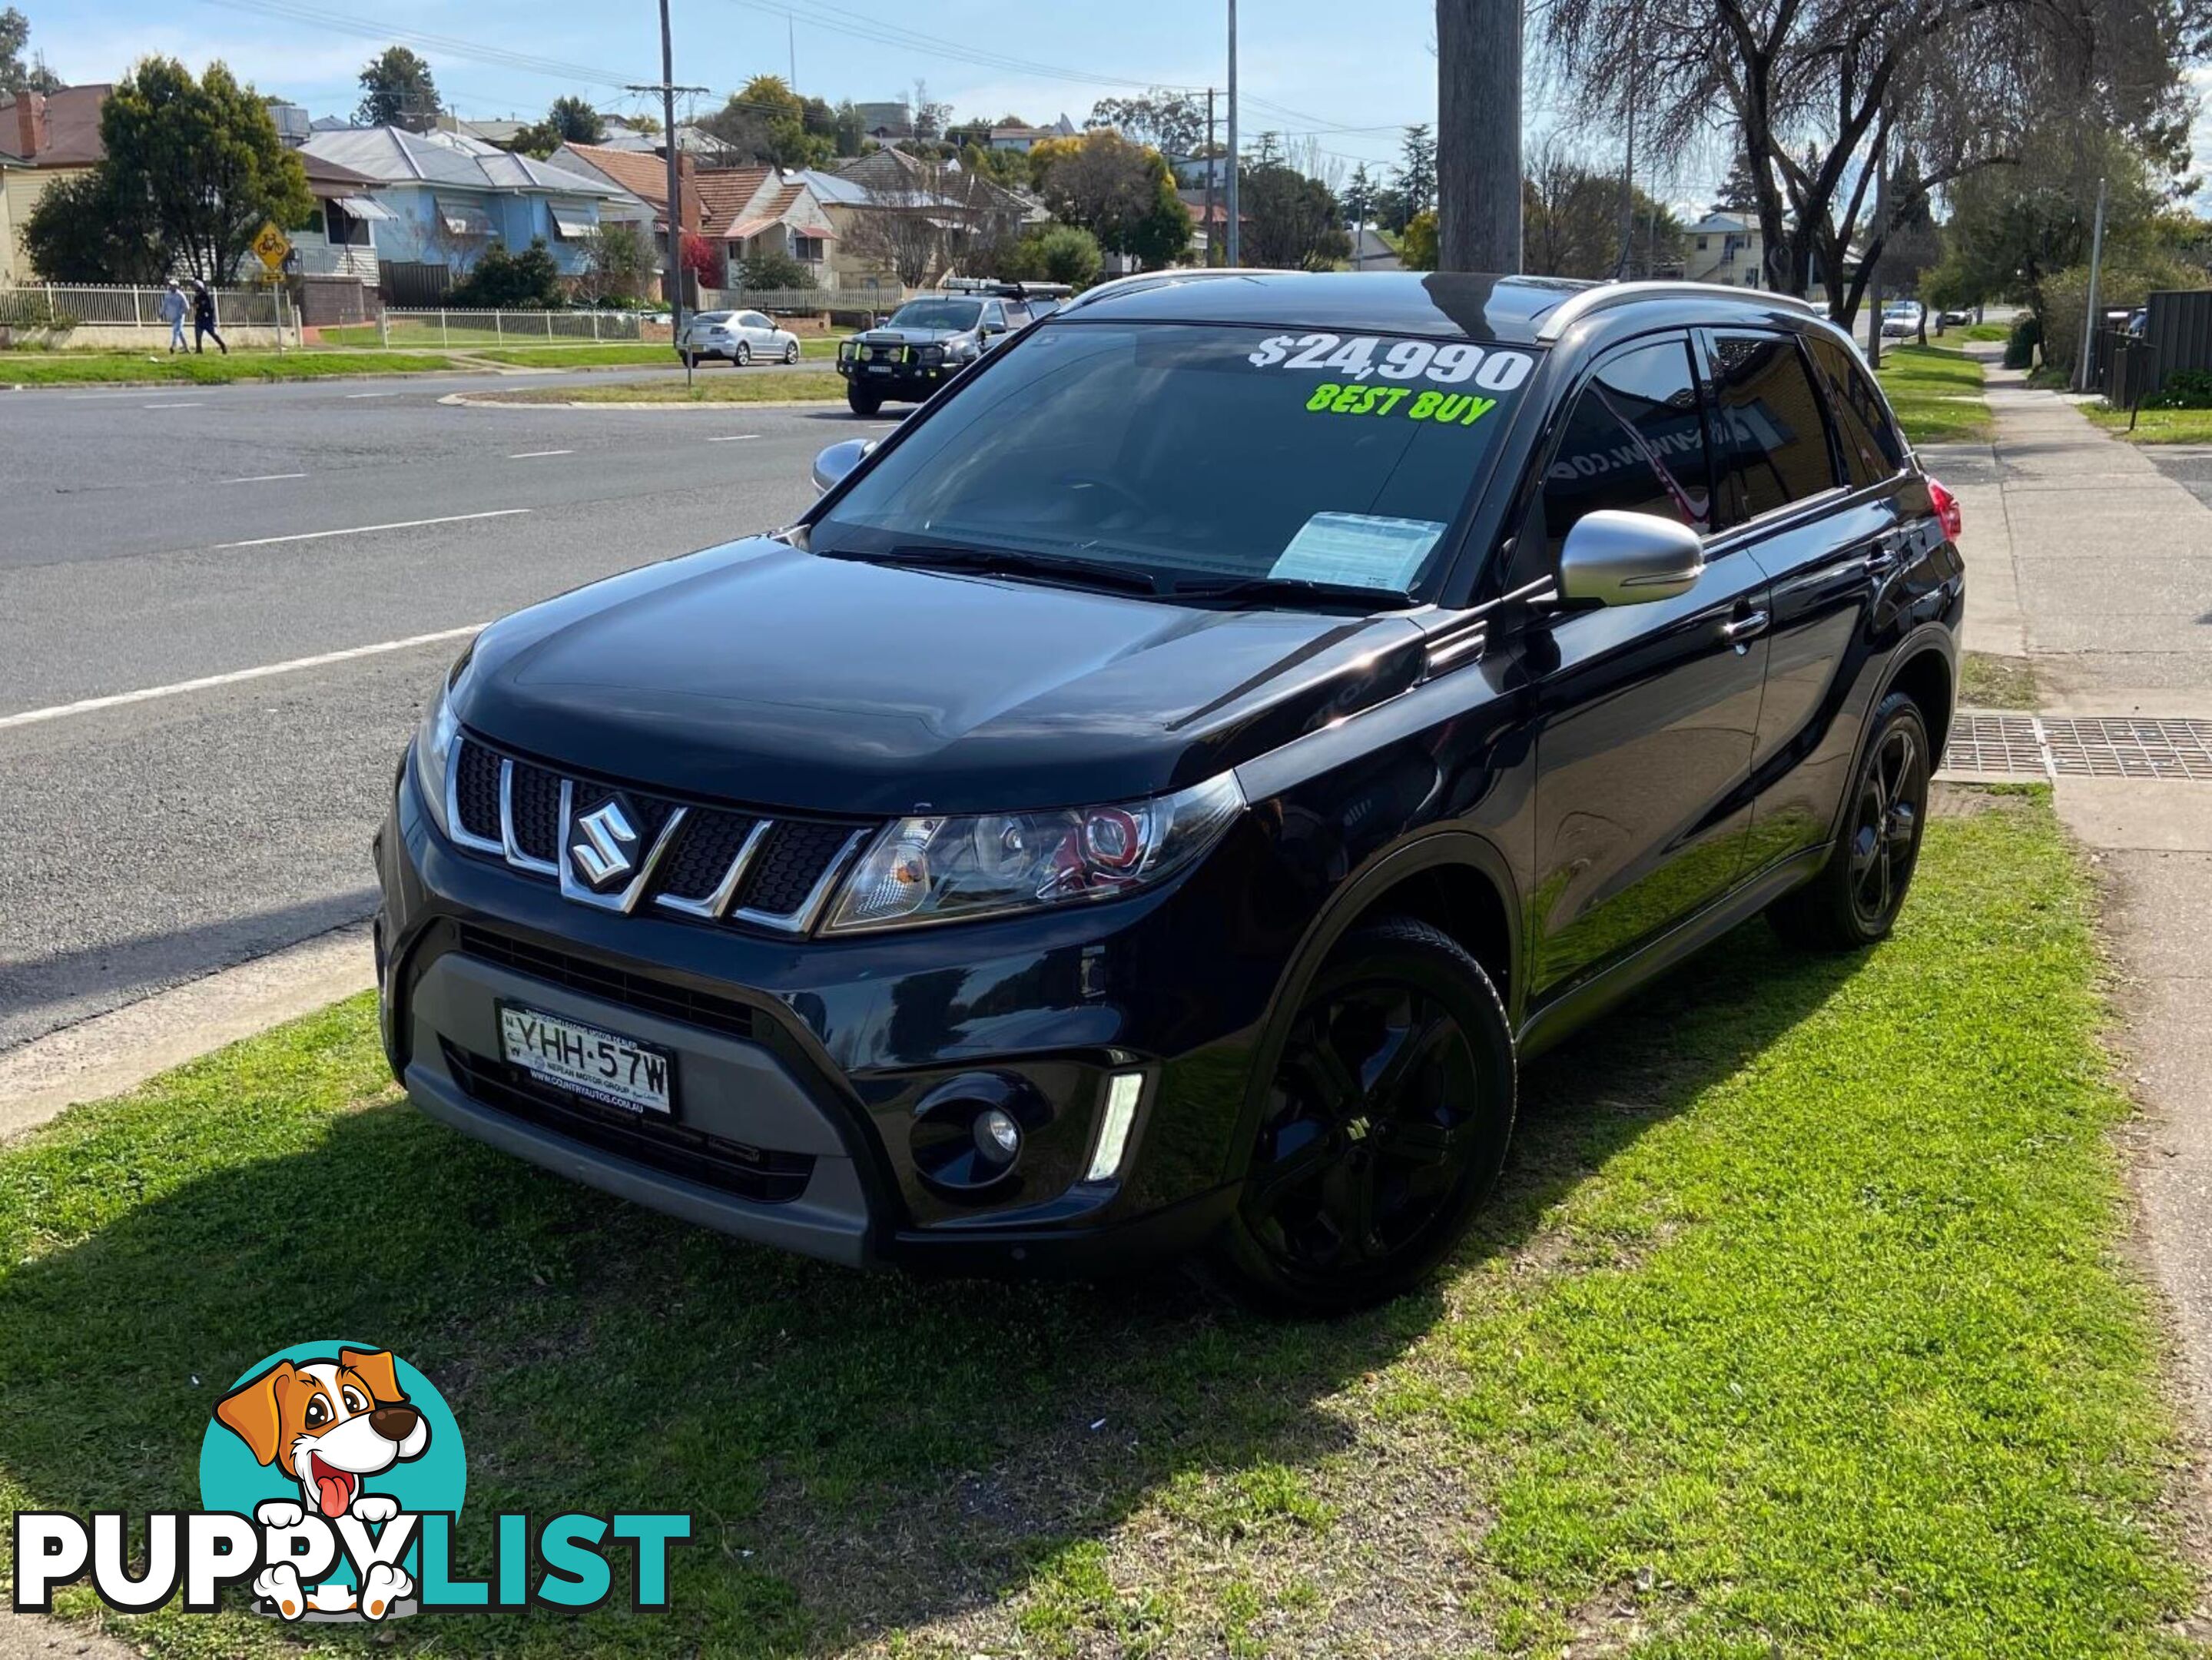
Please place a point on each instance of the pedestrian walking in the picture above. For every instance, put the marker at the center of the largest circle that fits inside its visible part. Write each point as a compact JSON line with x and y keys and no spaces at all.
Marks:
{"x":203,"y":320}
{"x":173,"y":312}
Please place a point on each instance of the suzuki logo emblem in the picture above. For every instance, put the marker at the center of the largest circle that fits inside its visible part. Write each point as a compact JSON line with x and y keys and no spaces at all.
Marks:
{"x":602,"y":848}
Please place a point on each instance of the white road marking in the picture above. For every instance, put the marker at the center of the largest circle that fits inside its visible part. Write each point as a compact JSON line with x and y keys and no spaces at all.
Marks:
{"x":263,"y":477}
{"x":371,"y":394}
{"x":732,"y":437}
{"x":172,"y":406}
{"x":532,"y":455}
{"x":363,"y":530}
{"x":86,"y":706}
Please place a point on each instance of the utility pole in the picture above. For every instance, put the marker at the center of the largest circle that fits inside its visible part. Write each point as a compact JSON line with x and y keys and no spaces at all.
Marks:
{"x":1212,"y":171}
{"x":1235,"y":226}
{"x":791,"y":41}
{"x":2085,"y":370}
{"x":1873,"y":281}
{"x":667,"y":89}
{"x":1622,"y":268}
{"x":1478,"y":135}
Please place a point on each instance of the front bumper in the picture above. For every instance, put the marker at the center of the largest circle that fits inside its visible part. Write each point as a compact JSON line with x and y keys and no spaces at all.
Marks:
{"x":903,"y":377}
{"x":802,"y":1068}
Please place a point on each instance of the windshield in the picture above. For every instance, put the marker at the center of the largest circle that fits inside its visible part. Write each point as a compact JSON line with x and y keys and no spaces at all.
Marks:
{"x":937,"y":314}
{"x":1209,"y":450}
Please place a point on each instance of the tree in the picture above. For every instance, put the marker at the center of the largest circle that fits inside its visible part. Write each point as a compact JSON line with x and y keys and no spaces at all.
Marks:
{"x":529,"y":281}
{"x":1172,"y":123}
{"x":1122,"y":193}
{"x":17,"y":75}
{"x":1736,"y":195}
{"x":1417,"y":245}
{"x":1570,"y":221}
{"x":898,"y":231}
{"x":1291,"y":222}
{"x":1417,"y":170}
{"x":847,"y":134}
{"x":196,"y":165}
{"x":929,"y":116}
{"x":617,"y":263}
{"x":1359,"y":199}
{"x":570,"y":120}
{"x":1822,"y":95}
{"x":1055,"y":253}
{"x":397,"y":91}
{"x":85,"y":229}
{"x":766,"y":121}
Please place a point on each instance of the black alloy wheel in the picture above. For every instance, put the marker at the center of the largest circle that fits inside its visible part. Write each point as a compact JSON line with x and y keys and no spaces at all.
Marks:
{"x":1855,"y":899}
{"x":1384,"y":1124}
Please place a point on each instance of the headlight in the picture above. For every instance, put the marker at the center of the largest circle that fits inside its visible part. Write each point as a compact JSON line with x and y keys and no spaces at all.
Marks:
{"x":945,"y":869}
{"x":932,"y":354}
{"x":960,"y":351}
{"x":434,"y":745}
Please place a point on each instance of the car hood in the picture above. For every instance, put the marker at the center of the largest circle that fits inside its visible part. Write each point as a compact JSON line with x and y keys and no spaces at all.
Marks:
{"x":761,"y":673}
{"x":908,"y":336}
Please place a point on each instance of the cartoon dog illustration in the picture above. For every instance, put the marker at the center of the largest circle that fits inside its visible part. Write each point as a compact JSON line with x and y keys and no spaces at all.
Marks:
{"x":328,"y":1424}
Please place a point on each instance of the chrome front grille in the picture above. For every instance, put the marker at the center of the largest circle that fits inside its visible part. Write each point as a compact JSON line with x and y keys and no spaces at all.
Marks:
{"x":711,"y":864}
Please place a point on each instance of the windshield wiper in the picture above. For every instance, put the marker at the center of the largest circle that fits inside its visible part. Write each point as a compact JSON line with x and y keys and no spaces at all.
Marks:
{"x":1007,"y":562}
{"x":1300,"y":589}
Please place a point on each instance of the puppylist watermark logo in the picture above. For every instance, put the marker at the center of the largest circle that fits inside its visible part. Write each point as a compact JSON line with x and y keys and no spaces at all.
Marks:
{"x":331,"y":1477}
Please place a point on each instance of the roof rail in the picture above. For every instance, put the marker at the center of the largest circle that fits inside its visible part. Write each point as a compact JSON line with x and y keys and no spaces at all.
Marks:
{"x":1137,"y":281}
{"x":1606,"y":295}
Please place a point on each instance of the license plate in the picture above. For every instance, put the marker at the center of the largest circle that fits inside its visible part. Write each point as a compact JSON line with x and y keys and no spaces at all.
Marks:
{"x":879,"y":369}
{"x":585,"y":1060}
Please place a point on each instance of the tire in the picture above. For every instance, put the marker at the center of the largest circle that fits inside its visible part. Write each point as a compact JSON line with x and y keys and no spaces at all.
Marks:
{"x":744,"y":356}
{"x":1383,"y":1129}
{"x":791,"y":352}
{"x":691,"y":359}
{"x":1855,"y":900}
{"x":862,"y":403}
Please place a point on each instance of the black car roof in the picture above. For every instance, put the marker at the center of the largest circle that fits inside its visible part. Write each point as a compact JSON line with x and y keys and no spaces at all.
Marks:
{"x":1465,"y":305}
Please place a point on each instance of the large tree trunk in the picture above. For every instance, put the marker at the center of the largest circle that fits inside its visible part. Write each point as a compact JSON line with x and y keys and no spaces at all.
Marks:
{"x":1478,"y":135}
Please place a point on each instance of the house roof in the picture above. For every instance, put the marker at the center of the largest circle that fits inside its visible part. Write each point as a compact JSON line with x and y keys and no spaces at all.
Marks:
{"x":643,"y":176}
{"x":72,"y":128}
{"x":327,"y":178}
{"x":392,"y":156}
{"x":727,"y":195}
{"x":1715,"y":223}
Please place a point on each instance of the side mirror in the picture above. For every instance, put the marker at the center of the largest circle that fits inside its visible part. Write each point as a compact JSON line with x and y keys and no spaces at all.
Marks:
{"x":1629,"y":559}
{"x":834,"y":463}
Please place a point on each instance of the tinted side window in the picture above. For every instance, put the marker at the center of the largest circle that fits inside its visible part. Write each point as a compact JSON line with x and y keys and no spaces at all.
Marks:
{"x":1872,"y":450}
{"x":1633,"y":442}
{"x":1767,"y":422}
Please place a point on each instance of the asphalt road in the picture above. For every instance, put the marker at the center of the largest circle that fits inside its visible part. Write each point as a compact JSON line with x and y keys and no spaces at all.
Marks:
{"x":149,"y":538}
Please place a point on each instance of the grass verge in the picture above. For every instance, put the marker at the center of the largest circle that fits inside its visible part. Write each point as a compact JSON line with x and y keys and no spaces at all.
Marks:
{"x":1796,"y":1328}
{"x":709,"y":385}
{"x":74,"y":368}
{"x":1990,"y":682}
{"x":1936,"y":392}
{"x":1986,"y":332}
{"x":2153,"y":426}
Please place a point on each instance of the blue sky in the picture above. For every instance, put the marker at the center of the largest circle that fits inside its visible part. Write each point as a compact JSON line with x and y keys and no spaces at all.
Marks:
{"x":1298,"y":55}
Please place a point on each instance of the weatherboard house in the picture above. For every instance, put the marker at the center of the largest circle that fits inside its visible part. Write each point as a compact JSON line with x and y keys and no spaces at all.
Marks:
{"x":450,"y":196}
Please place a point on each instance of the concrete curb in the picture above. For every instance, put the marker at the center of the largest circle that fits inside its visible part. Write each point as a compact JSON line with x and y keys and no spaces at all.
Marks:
{"x":121,"y":1049}
{"x":479,"y":400}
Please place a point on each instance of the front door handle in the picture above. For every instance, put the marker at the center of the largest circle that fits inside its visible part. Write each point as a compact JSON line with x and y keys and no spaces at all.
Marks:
{"x":1741,"y":629}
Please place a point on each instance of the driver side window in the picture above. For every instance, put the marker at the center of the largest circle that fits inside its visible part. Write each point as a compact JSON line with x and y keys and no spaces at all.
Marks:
{"x":1634,"y":441}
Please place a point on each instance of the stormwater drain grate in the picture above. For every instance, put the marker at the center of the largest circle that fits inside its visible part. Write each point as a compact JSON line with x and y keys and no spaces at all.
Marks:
{"x":1991,"y":747}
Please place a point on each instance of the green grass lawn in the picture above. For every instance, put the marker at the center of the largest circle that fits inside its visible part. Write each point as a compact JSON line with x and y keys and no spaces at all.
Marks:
{"x":1986,"y":332}
{"x":1798,"y":1327}
{"x":1936,"y":392}
{"x":1990,"y":682}
{"x":210,"y":368}
{"x":711,"y":384}
{"x":2153,"y":426}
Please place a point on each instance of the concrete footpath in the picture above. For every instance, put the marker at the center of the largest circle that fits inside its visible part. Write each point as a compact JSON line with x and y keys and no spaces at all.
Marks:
{"x":2084,"y":555}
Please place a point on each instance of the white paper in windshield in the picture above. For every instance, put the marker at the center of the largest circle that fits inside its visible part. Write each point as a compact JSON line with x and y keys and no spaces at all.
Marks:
{"x":1357,"y":550}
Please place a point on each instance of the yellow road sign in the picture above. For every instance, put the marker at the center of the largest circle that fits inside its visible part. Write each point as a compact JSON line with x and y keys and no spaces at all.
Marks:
{"x":272,"y":244}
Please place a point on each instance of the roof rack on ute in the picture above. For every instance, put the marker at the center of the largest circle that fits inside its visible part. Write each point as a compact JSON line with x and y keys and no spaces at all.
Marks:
{"x":1606,"y":295}
{"x":1006,"y":288}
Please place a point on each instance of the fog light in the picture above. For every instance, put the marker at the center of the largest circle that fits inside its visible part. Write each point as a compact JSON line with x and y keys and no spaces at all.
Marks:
{"x":1121,"y":1093}
{"x":997,"y":1135}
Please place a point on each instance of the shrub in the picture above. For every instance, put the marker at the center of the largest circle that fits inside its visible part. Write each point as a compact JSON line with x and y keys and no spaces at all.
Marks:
{"x":2123,"y":285}
{"x":528,"y":281}
{"x":1055,"y":253}
{"x":2020,"y":345}
{"x":771,"y":267}
{"x":2184,"y":389}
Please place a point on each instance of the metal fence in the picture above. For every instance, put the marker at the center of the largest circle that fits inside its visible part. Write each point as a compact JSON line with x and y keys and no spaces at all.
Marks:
{"x":454,"y":327}
{"x":103,"y":305}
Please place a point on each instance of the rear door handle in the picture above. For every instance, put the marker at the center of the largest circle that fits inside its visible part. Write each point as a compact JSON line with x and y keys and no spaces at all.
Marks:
{"x":1740,"y":630}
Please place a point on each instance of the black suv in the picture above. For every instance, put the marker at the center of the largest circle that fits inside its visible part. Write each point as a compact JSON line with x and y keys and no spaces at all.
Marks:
{"x":1153,"y":799}
{"x":928,"y":341}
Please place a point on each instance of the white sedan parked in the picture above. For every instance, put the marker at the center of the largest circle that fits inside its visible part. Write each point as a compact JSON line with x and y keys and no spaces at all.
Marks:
{"x":737,"y":337}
